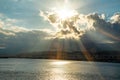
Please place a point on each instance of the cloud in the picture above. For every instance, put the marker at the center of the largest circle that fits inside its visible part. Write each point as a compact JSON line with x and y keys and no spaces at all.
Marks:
{"x":100,"y":22}
{"x":12,"y":30}
{"x":2,"y":45}
{"x":8,"y":27}
{"x":6,"y":21}
{"x":1,"y":24}
{"x":27,"y":41}
{"x":115,"y":18}
{"x":17,"y":29}
{"x":8,"y":33}
{"x":108,"y":27}
{"x":18,"y":39}
{"x":67,"y":25}
{"x":97,"y":20}
{"x":78,"y":24}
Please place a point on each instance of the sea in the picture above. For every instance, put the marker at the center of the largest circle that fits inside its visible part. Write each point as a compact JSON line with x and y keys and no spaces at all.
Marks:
{"x":45,"y":69}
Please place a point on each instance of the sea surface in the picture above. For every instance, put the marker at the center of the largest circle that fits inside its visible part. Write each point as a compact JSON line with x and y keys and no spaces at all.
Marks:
{"x":43,"y":69}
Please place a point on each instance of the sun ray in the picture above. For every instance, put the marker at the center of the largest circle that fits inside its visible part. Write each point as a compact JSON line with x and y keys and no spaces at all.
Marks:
{"x":85,"y":52}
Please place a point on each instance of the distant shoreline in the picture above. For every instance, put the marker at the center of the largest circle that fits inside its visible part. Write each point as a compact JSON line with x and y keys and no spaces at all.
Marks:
{"x":103,"y":56}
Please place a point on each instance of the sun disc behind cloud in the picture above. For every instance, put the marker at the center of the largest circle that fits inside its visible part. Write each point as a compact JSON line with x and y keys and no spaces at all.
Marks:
{"x":65,"y":13}
{"x":67,"y":22}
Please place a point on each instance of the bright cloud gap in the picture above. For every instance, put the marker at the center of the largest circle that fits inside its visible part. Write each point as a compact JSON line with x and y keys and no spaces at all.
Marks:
{"x":68,"y":23}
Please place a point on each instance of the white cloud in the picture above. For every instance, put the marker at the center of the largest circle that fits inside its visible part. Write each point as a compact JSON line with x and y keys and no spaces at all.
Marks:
{"x":1,"y":24}
{"x":115,"y":18}
{"x":68,"y":25}
{"x":7,"y":33}
{"x":17,"y":29}
{"x":7,"y":26}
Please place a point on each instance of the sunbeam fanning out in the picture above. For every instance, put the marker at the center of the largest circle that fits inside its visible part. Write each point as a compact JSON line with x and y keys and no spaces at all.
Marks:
{"x":59,"y":39}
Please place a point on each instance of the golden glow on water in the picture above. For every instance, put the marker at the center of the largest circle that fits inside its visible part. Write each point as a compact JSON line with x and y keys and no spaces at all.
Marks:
{"x":58,"y":69}
{"x":60,"y":63}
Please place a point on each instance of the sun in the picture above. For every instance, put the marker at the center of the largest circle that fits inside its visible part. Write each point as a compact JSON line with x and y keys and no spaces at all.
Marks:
{"x":66,"y":22}
{"x":65,"y":13}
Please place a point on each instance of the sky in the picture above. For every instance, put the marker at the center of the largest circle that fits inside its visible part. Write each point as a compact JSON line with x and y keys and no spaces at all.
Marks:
{"x":27,"y":25}
{"x":27,"y":11}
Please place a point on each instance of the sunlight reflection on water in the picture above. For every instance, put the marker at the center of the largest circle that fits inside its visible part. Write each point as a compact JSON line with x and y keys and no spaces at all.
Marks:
{"x":36,"y":69}
{"x":58,"y":63}
{"x":58,"y":70}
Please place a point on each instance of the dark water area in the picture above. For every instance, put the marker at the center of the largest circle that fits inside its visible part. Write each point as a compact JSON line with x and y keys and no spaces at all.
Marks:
{"x":44,"y":69}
